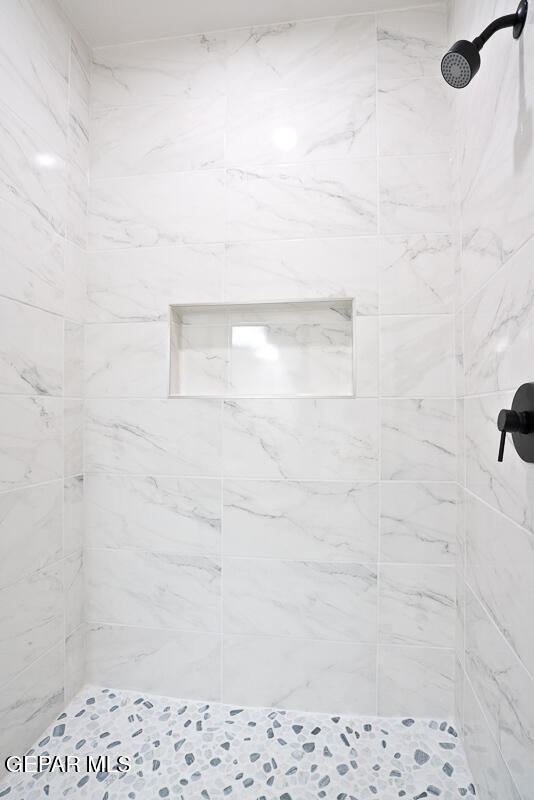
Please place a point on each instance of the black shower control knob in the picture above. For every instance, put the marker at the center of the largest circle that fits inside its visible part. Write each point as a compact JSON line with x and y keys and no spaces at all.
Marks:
{"x":513,"y":421}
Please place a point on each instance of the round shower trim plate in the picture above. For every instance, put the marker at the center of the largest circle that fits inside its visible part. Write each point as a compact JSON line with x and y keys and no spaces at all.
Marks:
{"x":522,"y":11}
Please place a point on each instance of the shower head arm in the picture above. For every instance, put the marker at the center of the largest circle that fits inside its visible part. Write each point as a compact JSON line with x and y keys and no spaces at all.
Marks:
{"x":515,"y":21}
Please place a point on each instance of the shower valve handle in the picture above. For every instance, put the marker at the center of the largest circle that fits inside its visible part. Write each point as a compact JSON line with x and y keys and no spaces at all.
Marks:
{"x":512,"y":422}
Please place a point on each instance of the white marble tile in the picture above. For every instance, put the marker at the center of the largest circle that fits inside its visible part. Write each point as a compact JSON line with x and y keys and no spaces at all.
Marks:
{"x":73,"y":515}
{"x":32,"y":174}
{"x":31,"y":260}
{"x":418,"y":523}
{"x":499,"y":328}
{"x":335,"y":198}
{"x":153,"y":590}
{"x":75,"y":282}
{"x":34,"y":60}
{"x":415,"y":194}
{"x":127,"y":360}
{"x":301,"y":520}
{"x":415,"y":681}
{"x":366,"y":354}
{"x":507,"y":486}
{"x":158,"y":70}
{"x":500,"y":566}
{"x":317,"y":600}
{"x":506,"y":693}
{"x":295,"y":269}
{"x":410,"y":43}
{"x":147,"y":210}
{"x":31,"y":702}
{"x":200,"y":360}
{"x":75,"y":658}
{"x":73,"y":436}
{"x":306,"y":674}
{"x":308,"y":358}
{"x":310,"y":439}
{"x":176,"y":515}
{"x":417,"y":605}
{"x":74,"y":593}
{"x":417,"y":356}
{"x":169,"y":663}
{"x":492,"y":778}
{"x":414,"y":116}
{"x":331,"y":53}
{"x":31,"y":432}
{"x":73,"y":348}
{"x":30,"y":530}
{"x":31,"y":358}
{"x":166,"y":437}
{"x":139,"y":285}
{"x":418,"y":440}
{"x":188,"y":133}
{"x":301,"y":125}
{"x":31,"y":619}
{"x":77,"y":205}
{"x":416,"y":274}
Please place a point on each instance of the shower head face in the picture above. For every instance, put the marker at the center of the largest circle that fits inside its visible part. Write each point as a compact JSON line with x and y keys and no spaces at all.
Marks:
{"x":460,"y":65}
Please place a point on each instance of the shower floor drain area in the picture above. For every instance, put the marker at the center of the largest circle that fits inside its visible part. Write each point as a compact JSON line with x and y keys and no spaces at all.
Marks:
{"x":206,"y":751}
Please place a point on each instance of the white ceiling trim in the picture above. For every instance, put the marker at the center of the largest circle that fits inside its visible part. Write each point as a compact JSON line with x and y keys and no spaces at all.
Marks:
{"x":109,"y":22}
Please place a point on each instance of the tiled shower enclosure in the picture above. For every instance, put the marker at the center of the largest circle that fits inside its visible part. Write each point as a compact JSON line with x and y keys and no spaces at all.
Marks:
{"x":263,"y":292}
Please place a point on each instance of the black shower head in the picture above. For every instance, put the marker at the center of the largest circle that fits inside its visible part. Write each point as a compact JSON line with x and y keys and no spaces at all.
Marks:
{"x":460,"y":65}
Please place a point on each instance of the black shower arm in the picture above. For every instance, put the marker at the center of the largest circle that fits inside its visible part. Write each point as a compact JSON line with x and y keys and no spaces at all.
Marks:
{"x":507,"y":21}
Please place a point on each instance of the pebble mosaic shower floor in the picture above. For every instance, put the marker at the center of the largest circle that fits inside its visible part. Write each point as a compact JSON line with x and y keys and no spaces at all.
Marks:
{"x":206,"y":751}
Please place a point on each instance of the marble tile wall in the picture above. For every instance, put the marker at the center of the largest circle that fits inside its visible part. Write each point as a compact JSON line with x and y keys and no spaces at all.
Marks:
{"x":494,"y":165}
{"x":44,"y":105}
{"x":295,"y":553}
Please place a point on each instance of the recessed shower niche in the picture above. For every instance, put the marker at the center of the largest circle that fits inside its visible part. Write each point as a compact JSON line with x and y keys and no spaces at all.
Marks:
{"x":275,"y":349}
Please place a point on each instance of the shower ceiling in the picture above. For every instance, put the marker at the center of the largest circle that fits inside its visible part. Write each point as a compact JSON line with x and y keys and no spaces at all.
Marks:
{"x":104,"y":22}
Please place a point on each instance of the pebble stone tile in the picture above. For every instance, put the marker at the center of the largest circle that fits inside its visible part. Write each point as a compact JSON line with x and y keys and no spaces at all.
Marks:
{"x":206,"y":751}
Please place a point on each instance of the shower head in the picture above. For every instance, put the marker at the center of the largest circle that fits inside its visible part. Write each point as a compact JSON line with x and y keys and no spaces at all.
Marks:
{"x":460,"y":65}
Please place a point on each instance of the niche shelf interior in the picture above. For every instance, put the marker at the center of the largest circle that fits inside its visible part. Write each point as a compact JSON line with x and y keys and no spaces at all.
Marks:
{"x":299,"y":348}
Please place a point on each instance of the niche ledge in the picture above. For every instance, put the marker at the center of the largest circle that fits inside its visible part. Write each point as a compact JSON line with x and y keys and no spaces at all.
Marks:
{"x":291,"y":349}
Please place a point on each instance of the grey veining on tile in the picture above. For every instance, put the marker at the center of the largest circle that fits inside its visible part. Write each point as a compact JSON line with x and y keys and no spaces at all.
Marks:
{"x":145,"y":659}
{"x":295,"y":269}
{"x":38,"y":624}
{"x":303,"y":599}
{"x":153,"y":590}
{"x":159,"y":70}
{"x":138,"y":140}
{"x":153,"y":437}
{"x":73,"y":515}
{"x":326,"y":53}
{"x":408,"y":369}
{"x":301,"y":520}
{"x":335,"y":198}
{"x":417,"y":605}
{"x":418,"y":523}
{"x":301,"y":125}
{"x":127,"y":360}
{"x":176,"y":515}
{"x":415,"y":194}
{"x":418,"y":440}
{"x":416,"y":274}
{"x":139,"y":285}
{"x":414,"y":116}
{"x":410,"y":43}
{"x":31,"y":429}
{"x":411,"y":679}
{"x":318,"y":439}
{"x":31,"y":260}
{"x":276,"y":671}
{"x":506,"y":692}
{"x":148,"y":210}
{"x":30,"y":529}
